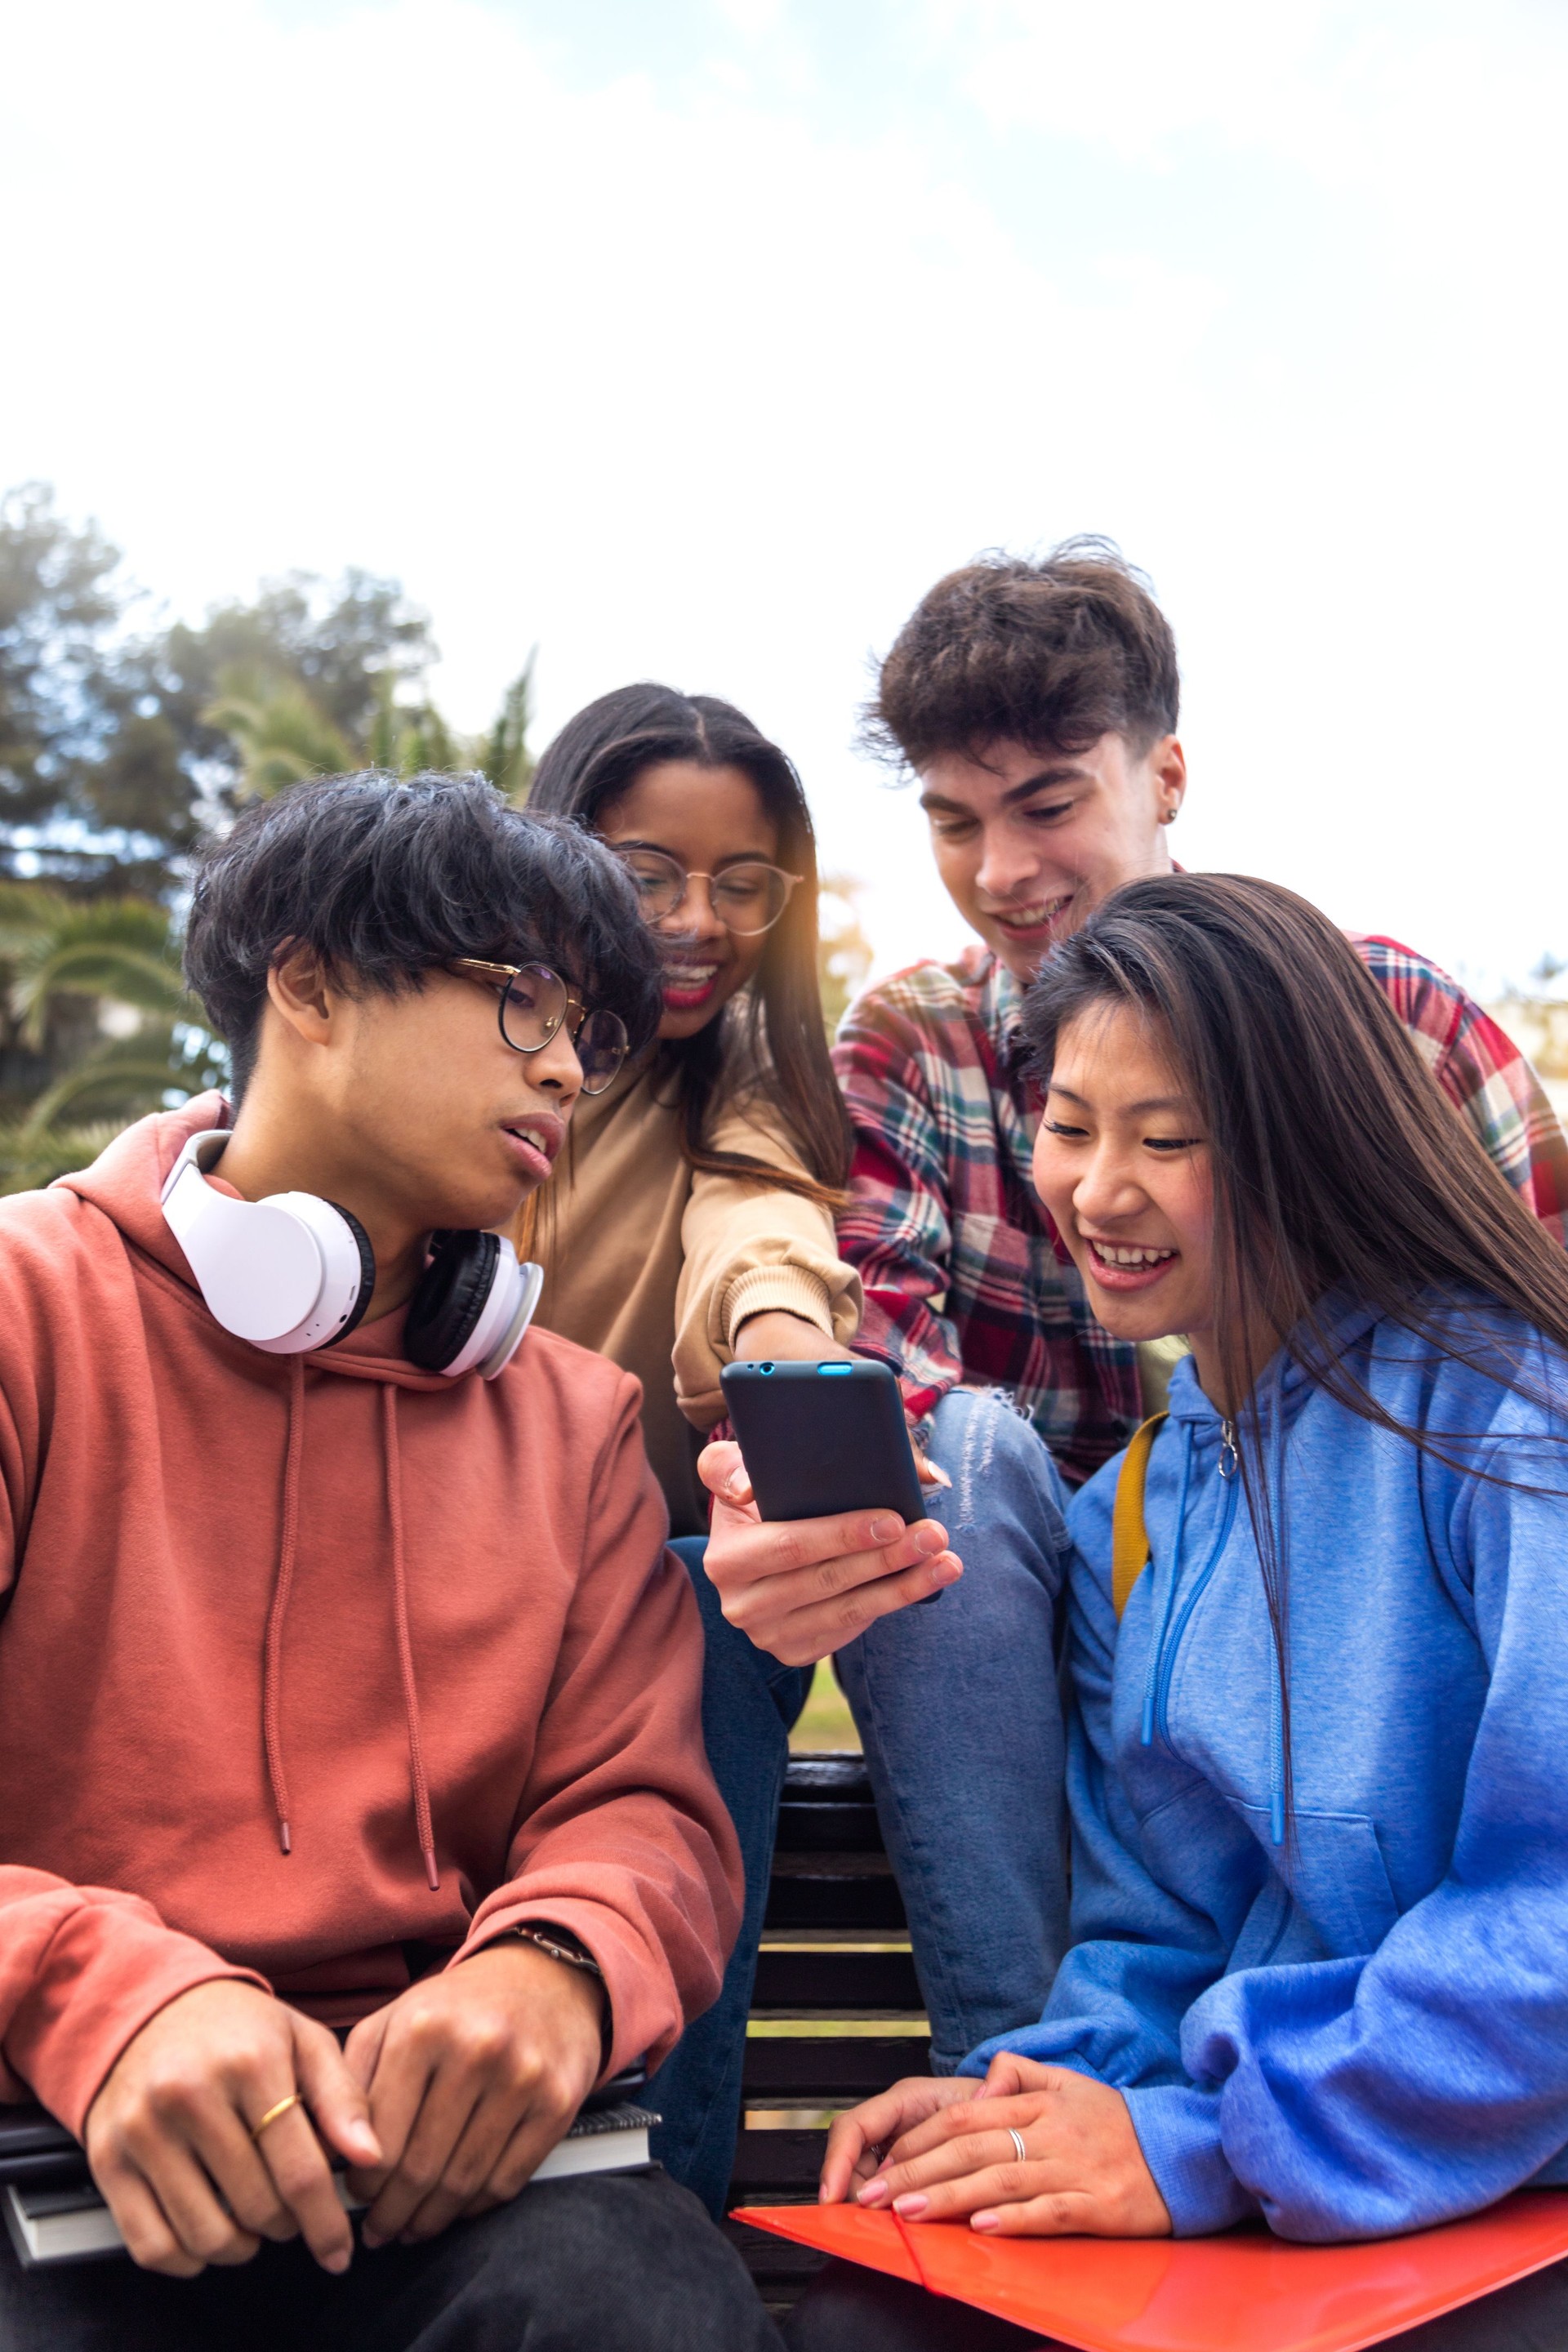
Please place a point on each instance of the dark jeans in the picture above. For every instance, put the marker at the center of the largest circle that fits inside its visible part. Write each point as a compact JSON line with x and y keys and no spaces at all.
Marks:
{"x":613,"y":2264}
{"x":749,"y":1704}
{"x":846,"y":2309}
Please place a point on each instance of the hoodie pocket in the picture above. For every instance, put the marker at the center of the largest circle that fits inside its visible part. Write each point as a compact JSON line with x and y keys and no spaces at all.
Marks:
{"x":1340,"y":1900}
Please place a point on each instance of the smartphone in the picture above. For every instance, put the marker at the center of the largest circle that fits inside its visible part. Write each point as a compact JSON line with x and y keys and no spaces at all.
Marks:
{"x":823,"y":1438}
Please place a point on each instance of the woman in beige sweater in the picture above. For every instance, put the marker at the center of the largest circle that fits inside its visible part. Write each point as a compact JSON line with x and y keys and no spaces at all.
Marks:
{"x":691,"y":1220}
{"x":692,"y":1217}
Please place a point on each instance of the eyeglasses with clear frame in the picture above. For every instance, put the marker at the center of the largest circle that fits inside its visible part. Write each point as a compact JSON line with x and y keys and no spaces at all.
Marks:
{"x":536,"y":1004}
{"x":748,"y":898}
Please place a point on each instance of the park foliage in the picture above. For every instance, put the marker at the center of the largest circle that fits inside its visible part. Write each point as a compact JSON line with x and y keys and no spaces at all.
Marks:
{"x":124,"y":737}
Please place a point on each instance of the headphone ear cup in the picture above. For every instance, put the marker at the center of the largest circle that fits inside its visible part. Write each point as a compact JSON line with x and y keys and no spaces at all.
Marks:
{"x":453,"y":1293}
{"x":366,"y":1271}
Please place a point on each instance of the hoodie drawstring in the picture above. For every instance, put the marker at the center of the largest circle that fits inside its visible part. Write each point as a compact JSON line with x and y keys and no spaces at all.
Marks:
{"x":405,"y":1644}
{"x":272,"y":1651}
{"x":272,"y":1654}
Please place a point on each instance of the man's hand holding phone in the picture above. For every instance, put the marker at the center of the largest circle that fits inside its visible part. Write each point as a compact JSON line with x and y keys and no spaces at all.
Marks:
{"x":801,"y":1589}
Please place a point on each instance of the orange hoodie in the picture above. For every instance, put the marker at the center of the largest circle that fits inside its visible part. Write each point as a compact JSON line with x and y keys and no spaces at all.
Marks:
{"x":413,"y":1629}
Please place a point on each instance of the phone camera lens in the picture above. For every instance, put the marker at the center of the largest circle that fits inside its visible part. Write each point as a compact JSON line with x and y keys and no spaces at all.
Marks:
{"x":764,"y":1368}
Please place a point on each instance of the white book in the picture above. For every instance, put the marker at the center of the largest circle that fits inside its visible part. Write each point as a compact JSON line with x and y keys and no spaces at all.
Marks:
{"x":53,"y":2223}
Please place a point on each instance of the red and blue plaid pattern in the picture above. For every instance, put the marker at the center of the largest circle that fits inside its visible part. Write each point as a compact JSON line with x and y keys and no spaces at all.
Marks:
{"x":965,"y":1278}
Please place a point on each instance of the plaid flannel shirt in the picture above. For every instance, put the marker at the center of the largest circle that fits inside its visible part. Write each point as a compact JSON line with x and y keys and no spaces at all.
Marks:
{"x":966,"y":1277}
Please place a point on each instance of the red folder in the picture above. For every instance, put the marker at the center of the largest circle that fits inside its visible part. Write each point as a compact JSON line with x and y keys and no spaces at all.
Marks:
{"x":1244,"y":2292}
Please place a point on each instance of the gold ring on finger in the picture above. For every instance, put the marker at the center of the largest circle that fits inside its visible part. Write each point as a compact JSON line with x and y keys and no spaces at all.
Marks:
{"x":293,"y":2100}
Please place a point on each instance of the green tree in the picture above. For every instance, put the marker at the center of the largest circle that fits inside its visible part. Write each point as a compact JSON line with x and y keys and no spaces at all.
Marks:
{"x":63,"y":693}
{"x":114,"y":750}
{"x":117,"y":746}
{"x":96,"y":1015}
{"x":279,"y":735}
{"x":503,"y":754}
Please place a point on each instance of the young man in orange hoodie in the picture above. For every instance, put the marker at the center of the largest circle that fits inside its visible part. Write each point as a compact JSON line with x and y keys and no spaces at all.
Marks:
{"x":352,"y":1797}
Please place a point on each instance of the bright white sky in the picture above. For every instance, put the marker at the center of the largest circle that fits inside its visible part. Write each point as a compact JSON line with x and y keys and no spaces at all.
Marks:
{"x":695,"y":338}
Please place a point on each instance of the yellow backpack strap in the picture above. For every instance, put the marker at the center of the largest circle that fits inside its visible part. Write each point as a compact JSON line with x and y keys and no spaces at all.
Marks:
{"x":1129,"y":1536}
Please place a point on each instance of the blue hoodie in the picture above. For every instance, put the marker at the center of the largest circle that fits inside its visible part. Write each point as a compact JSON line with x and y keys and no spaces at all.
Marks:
{"x":1355,"y":2022}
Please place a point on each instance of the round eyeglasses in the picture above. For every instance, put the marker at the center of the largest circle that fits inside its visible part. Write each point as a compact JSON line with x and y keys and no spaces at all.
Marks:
{"x":747,"y":898}
{"x":536,"y":1004}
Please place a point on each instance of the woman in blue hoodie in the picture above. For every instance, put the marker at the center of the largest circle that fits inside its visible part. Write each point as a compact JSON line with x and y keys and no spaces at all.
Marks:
{"x":1319,"y":1772}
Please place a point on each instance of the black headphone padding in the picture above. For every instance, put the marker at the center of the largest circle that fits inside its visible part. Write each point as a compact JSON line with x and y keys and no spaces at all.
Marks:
{"x":452,"y":1295}
{"x":366,"y":1271}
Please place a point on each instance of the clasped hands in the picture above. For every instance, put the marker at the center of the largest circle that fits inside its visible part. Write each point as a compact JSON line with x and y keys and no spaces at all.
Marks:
{"x":441,"y":2104}
{"x":937,"y":2149}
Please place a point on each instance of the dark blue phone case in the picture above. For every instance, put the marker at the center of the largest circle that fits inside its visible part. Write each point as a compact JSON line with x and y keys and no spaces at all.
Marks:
{"x":823,"y":1438}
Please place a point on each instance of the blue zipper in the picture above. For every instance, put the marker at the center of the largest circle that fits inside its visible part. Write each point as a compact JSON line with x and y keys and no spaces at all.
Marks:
{"x":1167,"y":1664}
{"x":1172,"y":1585}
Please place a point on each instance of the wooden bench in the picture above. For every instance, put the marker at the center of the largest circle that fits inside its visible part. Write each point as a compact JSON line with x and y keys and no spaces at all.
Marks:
{"x":836,"y":2014}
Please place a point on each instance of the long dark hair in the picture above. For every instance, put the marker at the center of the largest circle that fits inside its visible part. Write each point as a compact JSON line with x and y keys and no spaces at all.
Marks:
{"x":596,"y":758}
{"x":1338,"y":1164}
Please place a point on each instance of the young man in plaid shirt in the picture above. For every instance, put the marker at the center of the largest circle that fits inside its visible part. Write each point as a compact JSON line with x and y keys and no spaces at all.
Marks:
{"x":1038,"y":706}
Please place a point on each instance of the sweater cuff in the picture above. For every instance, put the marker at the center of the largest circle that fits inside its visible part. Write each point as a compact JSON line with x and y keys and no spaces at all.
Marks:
{"x":776,"y":1290}
{"x":109,"y":1973}
{"x":1178,"y":2130}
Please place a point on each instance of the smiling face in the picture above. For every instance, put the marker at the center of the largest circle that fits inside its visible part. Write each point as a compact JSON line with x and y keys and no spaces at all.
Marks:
{"x":706,"y":819}
{"x":1028,"y":843}
{"x":1123,"y":1164}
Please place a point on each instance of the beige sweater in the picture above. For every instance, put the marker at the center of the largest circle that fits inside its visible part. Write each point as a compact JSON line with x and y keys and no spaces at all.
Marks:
{"x":656,"y":1265}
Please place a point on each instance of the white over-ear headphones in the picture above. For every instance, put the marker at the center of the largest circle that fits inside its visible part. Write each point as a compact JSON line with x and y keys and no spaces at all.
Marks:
{"x":292,"y":1272}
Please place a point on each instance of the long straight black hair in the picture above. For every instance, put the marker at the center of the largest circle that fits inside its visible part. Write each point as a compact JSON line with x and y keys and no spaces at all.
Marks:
{"x":1339,"y":1166}
{"x":596,"y":759}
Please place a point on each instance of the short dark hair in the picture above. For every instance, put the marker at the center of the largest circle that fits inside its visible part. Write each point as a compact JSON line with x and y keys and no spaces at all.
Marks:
{"x":387,"y":877}
{"x":1051,"y":655}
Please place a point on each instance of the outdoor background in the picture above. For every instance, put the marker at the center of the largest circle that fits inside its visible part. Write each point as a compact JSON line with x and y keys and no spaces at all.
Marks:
{"x":693,"y":339}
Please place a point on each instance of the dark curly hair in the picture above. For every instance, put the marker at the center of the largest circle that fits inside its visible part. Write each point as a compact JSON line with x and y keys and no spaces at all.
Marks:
{"x":387,"y":877}
{"x":1050,"y":654}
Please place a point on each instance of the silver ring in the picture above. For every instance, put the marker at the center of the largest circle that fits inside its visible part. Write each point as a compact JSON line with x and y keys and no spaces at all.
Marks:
{"x":1017,"y":2140}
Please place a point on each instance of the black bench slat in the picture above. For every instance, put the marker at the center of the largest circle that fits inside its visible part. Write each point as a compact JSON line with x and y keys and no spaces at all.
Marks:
{"x":833,"y":1890}
{"x":827,"y":1778}
{"x":830,"y":1884}
{"x":833,"y":1903}
{"x":829,"y":1828}
{"x":766,"y":2160}
{"x":847,"y":2066}
{"x":802,"y":1984}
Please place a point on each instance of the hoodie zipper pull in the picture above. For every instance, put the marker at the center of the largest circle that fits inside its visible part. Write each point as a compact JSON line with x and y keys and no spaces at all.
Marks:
{"x":1229,"y":1459}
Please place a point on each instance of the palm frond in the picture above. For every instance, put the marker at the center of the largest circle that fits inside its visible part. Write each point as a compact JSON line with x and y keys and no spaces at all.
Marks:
{"x":138,"y":1073}
{"x":280,"y":735}
{"x":118,"y":948}
{"x":29,"y":1161}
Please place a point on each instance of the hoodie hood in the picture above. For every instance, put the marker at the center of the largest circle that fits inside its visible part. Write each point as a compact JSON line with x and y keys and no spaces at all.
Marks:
{"x":1285,"y":1385}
